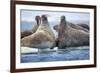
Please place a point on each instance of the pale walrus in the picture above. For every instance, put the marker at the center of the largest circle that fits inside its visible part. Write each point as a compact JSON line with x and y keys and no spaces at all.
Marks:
{"x":68,"y":36}
{"x":42,"y":38}
{"x":29,"y":32}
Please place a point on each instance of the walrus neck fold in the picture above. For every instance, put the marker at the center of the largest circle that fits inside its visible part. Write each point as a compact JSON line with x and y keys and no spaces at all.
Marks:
{"x":44,"y":22}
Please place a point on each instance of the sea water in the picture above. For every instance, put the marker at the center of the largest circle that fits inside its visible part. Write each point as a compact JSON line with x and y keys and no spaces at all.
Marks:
{"x":68,"y":54}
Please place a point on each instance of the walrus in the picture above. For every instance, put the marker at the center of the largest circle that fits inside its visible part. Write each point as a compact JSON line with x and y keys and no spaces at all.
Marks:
{"x":33,"y":30}
{"x":38,"y":21}
{"x":42,"y":38}
{"x":83,"y":27}
{"x":69,"y":36}
{"x":25,"y":33}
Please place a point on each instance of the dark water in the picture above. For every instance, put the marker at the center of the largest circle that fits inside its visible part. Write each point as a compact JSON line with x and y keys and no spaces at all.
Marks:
{"x":60,"y":55}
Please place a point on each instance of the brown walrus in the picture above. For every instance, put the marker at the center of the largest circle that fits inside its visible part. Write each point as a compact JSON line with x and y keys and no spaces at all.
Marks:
{"x":42,"y":38}
{"x":29,"y":32}
{"x":25,"y":33}
{"x":68,"y":36}
{"x":83,"y":27}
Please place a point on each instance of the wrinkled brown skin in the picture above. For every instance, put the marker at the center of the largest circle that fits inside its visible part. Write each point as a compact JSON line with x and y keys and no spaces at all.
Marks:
{"x":83,"y":27}
{"x":29,"y":32}
{"x":69,"y":37}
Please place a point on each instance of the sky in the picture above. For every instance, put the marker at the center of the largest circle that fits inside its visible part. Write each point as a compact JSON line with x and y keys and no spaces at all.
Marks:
{"x":54,"y":16}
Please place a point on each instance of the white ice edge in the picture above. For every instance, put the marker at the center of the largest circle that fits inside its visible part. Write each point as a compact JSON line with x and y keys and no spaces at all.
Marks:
{"x":26,"y":50}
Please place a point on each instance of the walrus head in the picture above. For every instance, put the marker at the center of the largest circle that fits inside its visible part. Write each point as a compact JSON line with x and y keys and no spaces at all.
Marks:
{"x":44,"y":19}
{"x":61,"y":32}
{"x":62,"y":26}
{"x":84,"y":25}
{"x":63,"y":21}
{"x":38,"y":20}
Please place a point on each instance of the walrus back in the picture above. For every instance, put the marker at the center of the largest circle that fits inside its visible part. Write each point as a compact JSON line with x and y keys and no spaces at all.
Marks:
{"x":37,"y":40}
